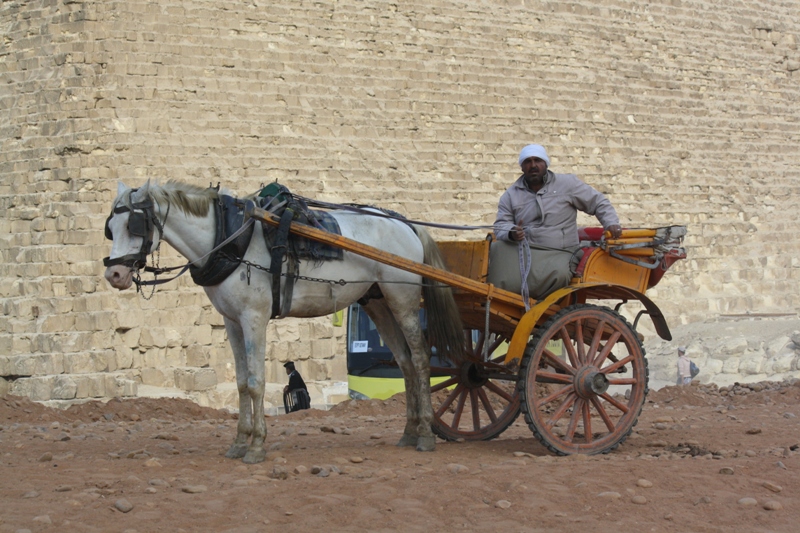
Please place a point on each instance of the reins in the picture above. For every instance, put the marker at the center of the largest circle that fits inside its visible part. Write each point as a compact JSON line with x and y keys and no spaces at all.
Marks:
{"x":381,"y":213}
{"x":156,"y":271}
{"x":184,"y":268}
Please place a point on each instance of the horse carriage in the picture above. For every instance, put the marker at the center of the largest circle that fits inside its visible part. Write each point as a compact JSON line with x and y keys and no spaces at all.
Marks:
{"x":575,"y":368}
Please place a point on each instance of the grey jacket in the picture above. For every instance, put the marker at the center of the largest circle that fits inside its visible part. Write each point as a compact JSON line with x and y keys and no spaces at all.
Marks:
{"x":550,"y":216}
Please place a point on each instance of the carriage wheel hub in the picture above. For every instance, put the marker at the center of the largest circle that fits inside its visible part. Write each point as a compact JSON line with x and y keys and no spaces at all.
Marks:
{"x":472,"y":376}
{"x":590,"y":382}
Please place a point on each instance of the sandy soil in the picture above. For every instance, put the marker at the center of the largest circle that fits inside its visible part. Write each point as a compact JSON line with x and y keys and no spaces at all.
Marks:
{"x":699,"y":460}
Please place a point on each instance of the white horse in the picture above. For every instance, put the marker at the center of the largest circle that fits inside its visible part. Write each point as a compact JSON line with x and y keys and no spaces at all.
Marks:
{"x":181,"y":215}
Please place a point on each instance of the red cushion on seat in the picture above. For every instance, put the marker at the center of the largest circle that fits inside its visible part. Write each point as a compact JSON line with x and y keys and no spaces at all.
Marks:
{"x":582,"y":264}
{"x":590,"y":234}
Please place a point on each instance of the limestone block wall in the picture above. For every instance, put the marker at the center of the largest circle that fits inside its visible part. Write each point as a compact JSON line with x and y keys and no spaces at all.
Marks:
{"x":682,"y":111}
{"x":732,"y":349}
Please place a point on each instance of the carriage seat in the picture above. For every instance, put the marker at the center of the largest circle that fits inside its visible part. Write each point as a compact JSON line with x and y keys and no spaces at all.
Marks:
{"x":588,"y":245}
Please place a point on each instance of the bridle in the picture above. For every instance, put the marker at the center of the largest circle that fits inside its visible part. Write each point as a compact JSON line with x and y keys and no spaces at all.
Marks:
{"x":142,"y":222}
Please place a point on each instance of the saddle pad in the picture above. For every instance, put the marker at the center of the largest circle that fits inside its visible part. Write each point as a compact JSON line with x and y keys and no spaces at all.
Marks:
{"x":315,"y":250}
{"x":299,"y":247}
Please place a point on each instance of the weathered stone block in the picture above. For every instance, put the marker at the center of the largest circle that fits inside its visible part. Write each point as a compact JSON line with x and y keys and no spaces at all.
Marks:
{"x":128,"y":319}
{"x":119,"y":386}
{"x":323,"y":348}
{"x":734,"y":347}
{"x":730,"y":366}
{"x":131,"y":337}
{"x":751,"y":364}
{"x":64,"y":388}
{"x":299,"y":351}
{"x":338,"y":369}
{"x":90,"y":386}
{"x":195,"y":379}
{"x":36,"y":364}
{"x":287,"y":330}
{"x":780,"y":364}
{"x":41,"y":388}
{"x":155,"y":358}
{"x":316,"y":370}
{"x":795,"y":337}
{"x":780,"y":346}
{"x":320,"y":330}
{"x":85,"y":362}
{"x":153,"y":337}
{"x":175,"y":356}
{"x":197,"y":355}
{"x":156,"y":377}
{"x":123,"y":357}
{"x":197,"y":335}
{"x":712,"y":366}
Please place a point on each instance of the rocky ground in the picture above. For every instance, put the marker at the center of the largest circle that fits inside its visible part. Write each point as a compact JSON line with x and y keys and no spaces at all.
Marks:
{"x":701,"y":459}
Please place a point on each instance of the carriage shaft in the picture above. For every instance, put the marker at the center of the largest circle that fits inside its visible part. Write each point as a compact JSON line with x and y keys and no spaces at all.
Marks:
{"x":487,"y":291}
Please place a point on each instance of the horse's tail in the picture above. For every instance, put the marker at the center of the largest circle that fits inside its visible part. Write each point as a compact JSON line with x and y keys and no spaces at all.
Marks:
{"x":445,"y":330}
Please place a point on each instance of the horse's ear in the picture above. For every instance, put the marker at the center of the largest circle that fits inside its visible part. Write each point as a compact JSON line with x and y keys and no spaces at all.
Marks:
{"x":121,"y":188}
{"x":141,"y":193}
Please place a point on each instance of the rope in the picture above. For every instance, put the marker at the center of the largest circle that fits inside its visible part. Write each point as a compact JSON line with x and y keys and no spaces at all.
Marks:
{"x":524,"y":270}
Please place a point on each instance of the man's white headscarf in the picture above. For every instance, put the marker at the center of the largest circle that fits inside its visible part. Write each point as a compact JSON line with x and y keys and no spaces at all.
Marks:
{"x":534,"y":150}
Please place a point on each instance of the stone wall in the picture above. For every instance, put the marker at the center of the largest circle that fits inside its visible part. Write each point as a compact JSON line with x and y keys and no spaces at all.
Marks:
{"x":683,"y":112}
{"x":731,"y":349}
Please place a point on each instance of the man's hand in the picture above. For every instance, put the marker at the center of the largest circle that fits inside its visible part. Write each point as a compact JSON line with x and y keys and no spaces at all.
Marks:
{"x":517,"y":233}
{"x":615,"y":231}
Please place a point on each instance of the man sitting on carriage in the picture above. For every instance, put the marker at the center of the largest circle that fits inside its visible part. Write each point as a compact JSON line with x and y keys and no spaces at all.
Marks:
{"x":541,"y":207}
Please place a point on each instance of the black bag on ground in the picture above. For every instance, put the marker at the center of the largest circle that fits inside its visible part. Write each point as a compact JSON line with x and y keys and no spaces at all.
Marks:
{"x":296,"y":400}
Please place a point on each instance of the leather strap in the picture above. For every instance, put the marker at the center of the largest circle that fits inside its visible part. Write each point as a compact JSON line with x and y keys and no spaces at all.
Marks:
{"x":278,"y":251}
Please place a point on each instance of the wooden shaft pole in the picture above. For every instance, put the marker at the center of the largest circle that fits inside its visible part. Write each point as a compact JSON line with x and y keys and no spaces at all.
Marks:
{"x":427,"y":271}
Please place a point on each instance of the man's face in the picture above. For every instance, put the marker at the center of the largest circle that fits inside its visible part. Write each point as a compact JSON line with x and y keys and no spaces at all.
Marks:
{"x":534,"y":168}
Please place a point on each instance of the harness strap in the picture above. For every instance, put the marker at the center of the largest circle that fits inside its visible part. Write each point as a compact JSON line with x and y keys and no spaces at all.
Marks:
{"x":277,"y":252}
{"x":292,"y":270}
{"x":186,"y":267}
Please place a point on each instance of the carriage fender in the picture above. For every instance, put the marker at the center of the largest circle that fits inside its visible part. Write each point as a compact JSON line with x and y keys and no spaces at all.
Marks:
{"x":523,"y":331}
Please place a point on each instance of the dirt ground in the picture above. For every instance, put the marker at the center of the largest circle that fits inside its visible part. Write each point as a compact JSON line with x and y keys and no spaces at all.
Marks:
{"x":700,"y":459}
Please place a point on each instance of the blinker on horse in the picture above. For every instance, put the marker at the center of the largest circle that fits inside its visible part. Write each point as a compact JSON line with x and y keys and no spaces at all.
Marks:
{"x":184,"y":216}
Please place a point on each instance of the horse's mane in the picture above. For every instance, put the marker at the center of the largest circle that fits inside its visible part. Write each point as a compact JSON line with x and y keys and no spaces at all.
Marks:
{"x":190,"y":199}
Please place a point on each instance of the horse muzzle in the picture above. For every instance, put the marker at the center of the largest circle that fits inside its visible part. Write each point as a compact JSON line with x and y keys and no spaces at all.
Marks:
{"x":119,"y":276}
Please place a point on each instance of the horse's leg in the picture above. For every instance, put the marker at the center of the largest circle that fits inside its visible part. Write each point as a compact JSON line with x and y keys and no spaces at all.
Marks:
{"x":255,"y":342}
{"x":245,"y":427}
{"x":419,"y":397}
{"x":393,"y":336}
{"x":426,"y":441}
{"x":404,"y":306}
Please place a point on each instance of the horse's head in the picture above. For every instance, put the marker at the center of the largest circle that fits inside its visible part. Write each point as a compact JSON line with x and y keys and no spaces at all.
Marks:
{"x":131,"y":227}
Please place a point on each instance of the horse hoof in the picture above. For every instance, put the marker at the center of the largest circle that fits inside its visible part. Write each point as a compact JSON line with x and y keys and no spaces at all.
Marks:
{"x":255,"y":456}
{"x":426,"y":444}
{"x":407,"y":440}
{"x":236,"y":451}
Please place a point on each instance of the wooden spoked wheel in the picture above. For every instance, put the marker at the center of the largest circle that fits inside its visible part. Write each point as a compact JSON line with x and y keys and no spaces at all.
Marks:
{"x":478,"y":400}
{"x":588,"y":398}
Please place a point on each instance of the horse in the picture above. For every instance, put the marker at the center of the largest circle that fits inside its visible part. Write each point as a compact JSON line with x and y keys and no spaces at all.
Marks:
{"x":182,"y":215}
